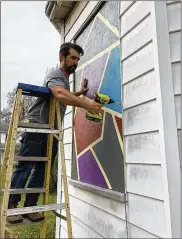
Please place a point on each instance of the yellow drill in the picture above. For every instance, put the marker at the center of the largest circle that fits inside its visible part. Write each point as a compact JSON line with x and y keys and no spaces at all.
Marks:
{"x":102,"y":99}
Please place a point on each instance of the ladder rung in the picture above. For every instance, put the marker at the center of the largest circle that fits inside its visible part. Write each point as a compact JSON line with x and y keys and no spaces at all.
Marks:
{"x":34,"y":125}
{"x":25,"y":190}
{"x":43,"y":208}
{"x":19,"y":158}
{"x":44,"y":131}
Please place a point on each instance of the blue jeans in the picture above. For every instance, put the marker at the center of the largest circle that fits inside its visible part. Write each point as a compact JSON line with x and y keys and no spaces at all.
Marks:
{"x":32,"y":144}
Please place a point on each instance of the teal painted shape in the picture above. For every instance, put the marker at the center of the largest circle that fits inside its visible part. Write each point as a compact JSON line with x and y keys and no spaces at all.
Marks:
{"x":111,"y":84}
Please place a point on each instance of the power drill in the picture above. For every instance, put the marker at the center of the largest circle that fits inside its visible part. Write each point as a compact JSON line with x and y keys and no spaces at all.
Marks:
{"x":102,"y":99}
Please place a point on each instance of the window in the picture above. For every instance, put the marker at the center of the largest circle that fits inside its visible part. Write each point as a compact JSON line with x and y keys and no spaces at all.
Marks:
{"x":97,"y":157}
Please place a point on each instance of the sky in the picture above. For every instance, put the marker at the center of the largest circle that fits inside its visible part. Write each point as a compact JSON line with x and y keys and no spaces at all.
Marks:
{"x":29,"y":44}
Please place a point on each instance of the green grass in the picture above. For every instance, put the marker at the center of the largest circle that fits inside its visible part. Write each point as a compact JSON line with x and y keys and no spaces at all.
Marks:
{"x":33,"y":231}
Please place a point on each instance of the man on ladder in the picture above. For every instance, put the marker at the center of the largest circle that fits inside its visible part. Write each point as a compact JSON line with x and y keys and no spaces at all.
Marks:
{"x":57,"y":80}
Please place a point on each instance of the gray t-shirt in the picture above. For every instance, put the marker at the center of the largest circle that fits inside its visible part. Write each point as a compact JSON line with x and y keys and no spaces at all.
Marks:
{"x":39,"y":111}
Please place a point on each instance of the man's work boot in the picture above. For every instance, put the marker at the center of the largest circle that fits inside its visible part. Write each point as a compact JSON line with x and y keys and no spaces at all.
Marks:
{"x":34,"y":217}
{"x":14,"y":219}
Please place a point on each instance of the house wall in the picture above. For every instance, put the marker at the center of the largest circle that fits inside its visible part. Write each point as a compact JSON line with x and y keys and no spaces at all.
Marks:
{"x":147,"y":88}
{"x":150,"y":157}
{"x":174,"y":21}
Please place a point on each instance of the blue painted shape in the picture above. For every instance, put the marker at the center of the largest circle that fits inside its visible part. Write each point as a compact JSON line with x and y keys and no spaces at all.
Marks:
{"x":34,"y":90}
{"x":111,"y":84}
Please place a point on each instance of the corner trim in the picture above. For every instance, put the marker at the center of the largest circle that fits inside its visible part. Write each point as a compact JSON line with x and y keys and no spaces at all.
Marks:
{"x":121,"y":197}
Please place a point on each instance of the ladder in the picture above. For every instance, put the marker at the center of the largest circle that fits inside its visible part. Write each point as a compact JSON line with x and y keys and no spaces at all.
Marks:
{"x":9,"y":158}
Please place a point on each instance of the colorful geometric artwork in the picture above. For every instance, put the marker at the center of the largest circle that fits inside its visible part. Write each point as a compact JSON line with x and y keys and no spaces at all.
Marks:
{"x":93,"y":72}
{"x":111,"y":84}
{"x":120,"y":126}
{"x":110,"y":155}
{"x":97,"y":146}
{"x":86,"y":132}
{"x":90,"y":171}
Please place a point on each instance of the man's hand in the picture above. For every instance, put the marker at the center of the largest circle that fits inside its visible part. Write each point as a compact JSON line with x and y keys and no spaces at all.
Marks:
{"x":84,"y":88}
{"x":93,"y":107}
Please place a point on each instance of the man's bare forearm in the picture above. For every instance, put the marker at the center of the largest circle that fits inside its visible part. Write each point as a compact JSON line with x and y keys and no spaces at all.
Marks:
{"x":77,"y":93}
{"x":69,"y":98}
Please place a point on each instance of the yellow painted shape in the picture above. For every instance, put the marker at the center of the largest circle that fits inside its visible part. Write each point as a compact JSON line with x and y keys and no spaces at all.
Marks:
{"x":99,"y":55}
{"x":109,"y":25}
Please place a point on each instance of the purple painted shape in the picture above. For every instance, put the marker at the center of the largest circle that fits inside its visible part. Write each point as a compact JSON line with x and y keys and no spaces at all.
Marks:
{"x":93,"y":72}
{"x":89,"y":170}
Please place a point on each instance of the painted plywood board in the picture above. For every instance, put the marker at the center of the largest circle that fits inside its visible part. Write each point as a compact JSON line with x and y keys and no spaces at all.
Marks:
{"x":134,"y":15}
{"x":110,"y":154}
{"x":145,"y":180}
{"x":137,"y":232}
{"x":176,"y":73}
{"x":175,"y":46}
{"x":178,"y":110}
{"x":124,"y":5}
{"x":141,"y":118}
{"x":143,"y":148}
{"x":111,"y":206}
{"x":147,"y":213}
{"x":90,"y":171}
{"x":143,"y":86}
{"x":174,"y":16}
{"x":100,"y":221}
{"x":139,"y":36}
{"x":138,"y":64}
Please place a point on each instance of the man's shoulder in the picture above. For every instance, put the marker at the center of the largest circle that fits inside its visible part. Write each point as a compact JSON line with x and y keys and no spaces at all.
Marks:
{"x":54,"y":73}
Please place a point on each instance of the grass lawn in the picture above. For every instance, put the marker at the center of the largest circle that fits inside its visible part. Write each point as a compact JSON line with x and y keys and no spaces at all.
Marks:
{"x":33,"y":231}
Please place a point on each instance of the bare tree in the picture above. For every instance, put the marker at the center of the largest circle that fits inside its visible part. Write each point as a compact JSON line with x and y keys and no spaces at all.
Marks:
{"x":7,"y":111}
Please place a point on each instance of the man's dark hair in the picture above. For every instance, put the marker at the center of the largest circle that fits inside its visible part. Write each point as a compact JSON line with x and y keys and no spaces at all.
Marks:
{"x":65,"y":49}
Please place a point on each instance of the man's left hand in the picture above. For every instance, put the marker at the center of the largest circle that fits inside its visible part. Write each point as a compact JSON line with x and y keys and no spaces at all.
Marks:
{"x":84,"y":88}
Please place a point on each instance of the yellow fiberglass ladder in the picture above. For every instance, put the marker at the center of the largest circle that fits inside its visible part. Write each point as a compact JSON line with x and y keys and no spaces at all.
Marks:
{"x":9,"y":159}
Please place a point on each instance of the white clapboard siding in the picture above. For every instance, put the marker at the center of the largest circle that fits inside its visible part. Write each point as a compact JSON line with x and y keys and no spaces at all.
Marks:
{"x":175,"y":46}
{"x":68,"y":150}
{"x":140,"y":63}
{"x":176,"y":73}
{"x":138,"y":11}
{"x":111,"y":206}
{"x":143,"y":86}
{"x":138,"y":37}
{"x":68,"y":120}
{"x":174,"y":16}
{"x":137,"y":232}
{"x":174,"y":23}
{"x":143,"y":148}
{"x":126,"y":5}
{"x":68,"y":167}
{"x":147,"y":213}
{"x":145,"y":180}
{"x":178,"y":110}
{"x":144,"y":174}
{"x":141,"y":118}
{"x":80,"y":229}
{"x":100,"y":221}
{"x":67,"y":135}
